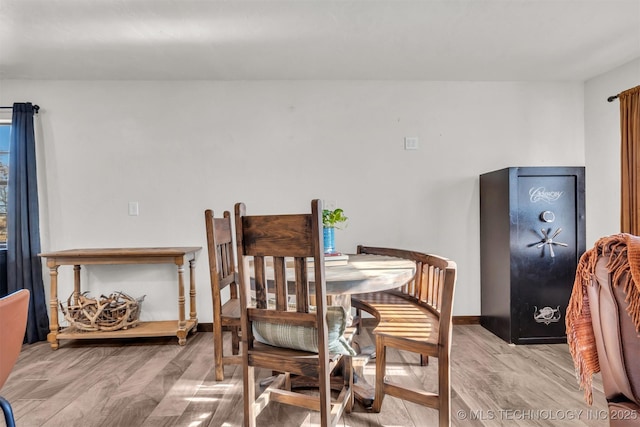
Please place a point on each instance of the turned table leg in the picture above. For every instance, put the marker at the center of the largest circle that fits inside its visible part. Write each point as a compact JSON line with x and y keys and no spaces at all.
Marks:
{"x":76,"y":284}
{"x":54,"y":325}
{"x":182,"y":323}
{"x":193,"y":315}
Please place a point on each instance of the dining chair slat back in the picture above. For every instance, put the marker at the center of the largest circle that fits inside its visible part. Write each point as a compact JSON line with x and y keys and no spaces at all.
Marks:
{"x":267,"y":246}
{"x":222,"y":273}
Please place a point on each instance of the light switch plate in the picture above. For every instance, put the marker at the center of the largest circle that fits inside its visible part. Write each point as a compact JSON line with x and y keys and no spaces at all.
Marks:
{"x":410,"y":142}
{"x":133,"y":209}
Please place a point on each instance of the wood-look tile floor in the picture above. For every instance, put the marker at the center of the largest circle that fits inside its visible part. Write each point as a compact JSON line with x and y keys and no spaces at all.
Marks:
{"x":155,"y":382}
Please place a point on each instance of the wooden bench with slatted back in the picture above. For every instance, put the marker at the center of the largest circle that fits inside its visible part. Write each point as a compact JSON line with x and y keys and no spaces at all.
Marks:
{"x":415,"y":317}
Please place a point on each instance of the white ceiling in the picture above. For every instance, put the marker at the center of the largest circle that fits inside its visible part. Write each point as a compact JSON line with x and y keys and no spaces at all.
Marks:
{"x":305,"y":39}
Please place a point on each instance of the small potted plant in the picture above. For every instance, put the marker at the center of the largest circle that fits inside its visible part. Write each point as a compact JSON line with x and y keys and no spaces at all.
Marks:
{"x":331,"y":219}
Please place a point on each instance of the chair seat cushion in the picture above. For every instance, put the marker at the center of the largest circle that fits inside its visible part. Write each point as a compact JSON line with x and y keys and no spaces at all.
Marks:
{"x":304,"y":337}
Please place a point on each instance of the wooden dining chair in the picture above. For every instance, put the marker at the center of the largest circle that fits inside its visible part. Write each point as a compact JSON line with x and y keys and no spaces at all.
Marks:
{"x":282,"y":330}
{"x":222,"y":271}
{"x":415,"y":317}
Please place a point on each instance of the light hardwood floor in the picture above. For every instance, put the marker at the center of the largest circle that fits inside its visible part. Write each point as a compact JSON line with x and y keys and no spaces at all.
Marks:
{"x":155,"y":382}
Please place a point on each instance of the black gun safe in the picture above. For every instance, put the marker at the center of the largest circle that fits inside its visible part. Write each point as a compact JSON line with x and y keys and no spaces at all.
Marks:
{"x":532,"y":235}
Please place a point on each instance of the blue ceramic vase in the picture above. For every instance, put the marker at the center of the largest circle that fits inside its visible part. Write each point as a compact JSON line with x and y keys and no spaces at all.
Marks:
{"x":329,"y":240}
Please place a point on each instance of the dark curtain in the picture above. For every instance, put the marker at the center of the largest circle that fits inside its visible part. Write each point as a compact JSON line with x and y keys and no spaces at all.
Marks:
{"x":24,"y":268}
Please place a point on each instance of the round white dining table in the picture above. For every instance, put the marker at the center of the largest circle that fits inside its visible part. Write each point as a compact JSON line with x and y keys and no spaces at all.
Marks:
{"x":362,"y":273}
{"x":367,"y":273}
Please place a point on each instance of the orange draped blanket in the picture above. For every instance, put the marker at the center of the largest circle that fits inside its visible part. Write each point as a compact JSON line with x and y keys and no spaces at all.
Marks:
{"x":624,"y":252}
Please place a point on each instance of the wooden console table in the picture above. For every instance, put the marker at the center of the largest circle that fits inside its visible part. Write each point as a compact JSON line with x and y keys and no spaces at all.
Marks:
{"x":169,"y":255}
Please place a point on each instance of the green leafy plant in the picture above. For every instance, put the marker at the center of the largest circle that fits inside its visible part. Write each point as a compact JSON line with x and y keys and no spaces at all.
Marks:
{"x":333,"y":218}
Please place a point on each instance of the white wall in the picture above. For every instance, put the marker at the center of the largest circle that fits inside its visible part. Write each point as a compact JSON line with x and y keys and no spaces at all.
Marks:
{"x":181,"y":147}
{"x":602,"y":149}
